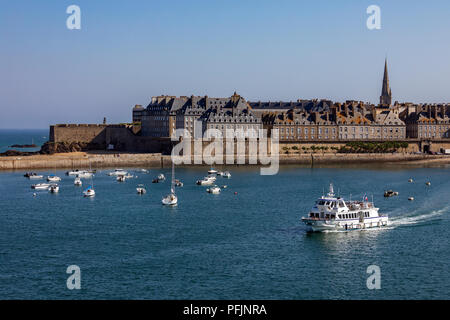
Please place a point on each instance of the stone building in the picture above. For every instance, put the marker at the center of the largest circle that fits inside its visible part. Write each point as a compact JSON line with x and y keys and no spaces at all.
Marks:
{"x":428,"y":122}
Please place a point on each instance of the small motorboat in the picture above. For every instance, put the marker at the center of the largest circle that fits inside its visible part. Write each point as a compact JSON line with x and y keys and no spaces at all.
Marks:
{"x":141,"y":189}
{"x":40,"y":186}
{"x":81,"y":173}
{"x":159,"y":178}
{"x":226,"y":174}
{"x":410,"y":180}
{"x":209,"y":180}
{"x":212,"y":171}
{"x":117,"y":172}
{"x":89,"y":192}
{"x":390,"y":193}
{"x":54,"y":188}
{"x":53,"y":178}
{"x":144,"y":170}
{"x":213,"y":190}
{"x":77,"y":181}
{"x":33,"y":175}
{"x":220,"y":173}
{"x":129,"y":176}
{"x":121,"y":178}
{"x":428,"y":183}
{"x":411,"y":198}
{"x":178,"y":183}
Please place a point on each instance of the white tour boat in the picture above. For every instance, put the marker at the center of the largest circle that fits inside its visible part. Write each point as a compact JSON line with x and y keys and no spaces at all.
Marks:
{"x":206,"y":181}
{"x":334,"y":213}
{"x":171,"y":199}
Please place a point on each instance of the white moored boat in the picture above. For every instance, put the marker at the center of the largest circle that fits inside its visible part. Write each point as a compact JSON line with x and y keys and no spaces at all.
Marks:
{"x":212,"y":171}
{"x":171,"y":199}
{"x":77,"y":181}
{"x":118,"y":172}
{"x":35,"y":176}
{"x":89,"y":192}
{"x":213,"y":190}
{"x":206,"y":181}
{"x":40,"y":186}
{"x":334,"y":213}
{"x":54,"y":188}
{"x":226,"y":174}
{"x":141,"y":189}
{"x":53,"y":178}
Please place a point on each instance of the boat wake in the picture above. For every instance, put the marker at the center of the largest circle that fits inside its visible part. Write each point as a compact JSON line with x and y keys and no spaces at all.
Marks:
{"x":417,"y":219}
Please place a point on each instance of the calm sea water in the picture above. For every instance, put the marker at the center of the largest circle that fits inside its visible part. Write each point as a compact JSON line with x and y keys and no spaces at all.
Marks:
{"x":245,"y":246}
{"x":9,"y":137}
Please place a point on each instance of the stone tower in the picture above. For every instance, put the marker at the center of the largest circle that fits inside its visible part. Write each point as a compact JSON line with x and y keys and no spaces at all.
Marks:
{"x":386,"y":94}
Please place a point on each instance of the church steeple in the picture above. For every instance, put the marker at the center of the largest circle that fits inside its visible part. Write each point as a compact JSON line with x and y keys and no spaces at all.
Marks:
{"x":386,"y":94}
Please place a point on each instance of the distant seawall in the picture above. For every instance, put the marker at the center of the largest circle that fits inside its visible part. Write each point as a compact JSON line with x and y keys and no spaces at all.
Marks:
{"x":157,"y":160}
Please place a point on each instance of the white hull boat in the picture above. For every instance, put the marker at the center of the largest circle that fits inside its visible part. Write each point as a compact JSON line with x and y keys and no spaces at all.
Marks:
{"x":212,"y":171}
{"x":213,"y":190}
{"x":54,"y":188}
{"x":206,"y":181}
{"x":332,"y":213}
{"x":171,"y":199}
{"x":118,"y":172}
{"x":53,"y":179}
{"x":40,"y":186}
{"x":226,"y":174}
{"x":36,"y":176}
{"x":77,"y":181}
{"x":141,"y":189}
{"x":89,"y":192}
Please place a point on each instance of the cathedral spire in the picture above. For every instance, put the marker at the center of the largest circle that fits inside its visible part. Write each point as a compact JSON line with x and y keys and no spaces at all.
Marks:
{"x":386,"y":94}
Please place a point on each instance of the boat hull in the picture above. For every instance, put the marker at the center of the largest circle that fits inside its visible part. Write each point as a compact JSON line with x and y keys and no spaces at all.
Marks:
{"x":345,"y":225}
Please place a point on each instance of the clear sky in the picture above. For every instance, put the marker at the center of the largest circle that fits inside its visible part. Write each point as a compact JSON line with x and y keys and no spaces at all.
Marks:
{"x":128,"y":51}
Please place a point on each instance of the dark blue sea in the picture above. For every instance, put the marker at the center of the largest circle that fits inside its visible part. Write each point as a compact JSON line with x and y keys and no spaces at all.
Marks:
{"x":9,"y":137}
{"x":249,"y":245}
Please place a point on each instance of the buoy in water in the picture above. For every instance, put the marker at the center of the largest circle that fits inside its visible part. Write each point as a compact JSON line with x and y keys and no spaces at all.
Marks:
{"x":235,"y":192}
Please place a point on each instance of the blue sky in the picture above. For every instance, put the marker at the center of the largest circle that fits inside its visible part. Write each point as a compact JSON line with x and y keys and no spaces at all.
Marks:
{"x":128,"y":51}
